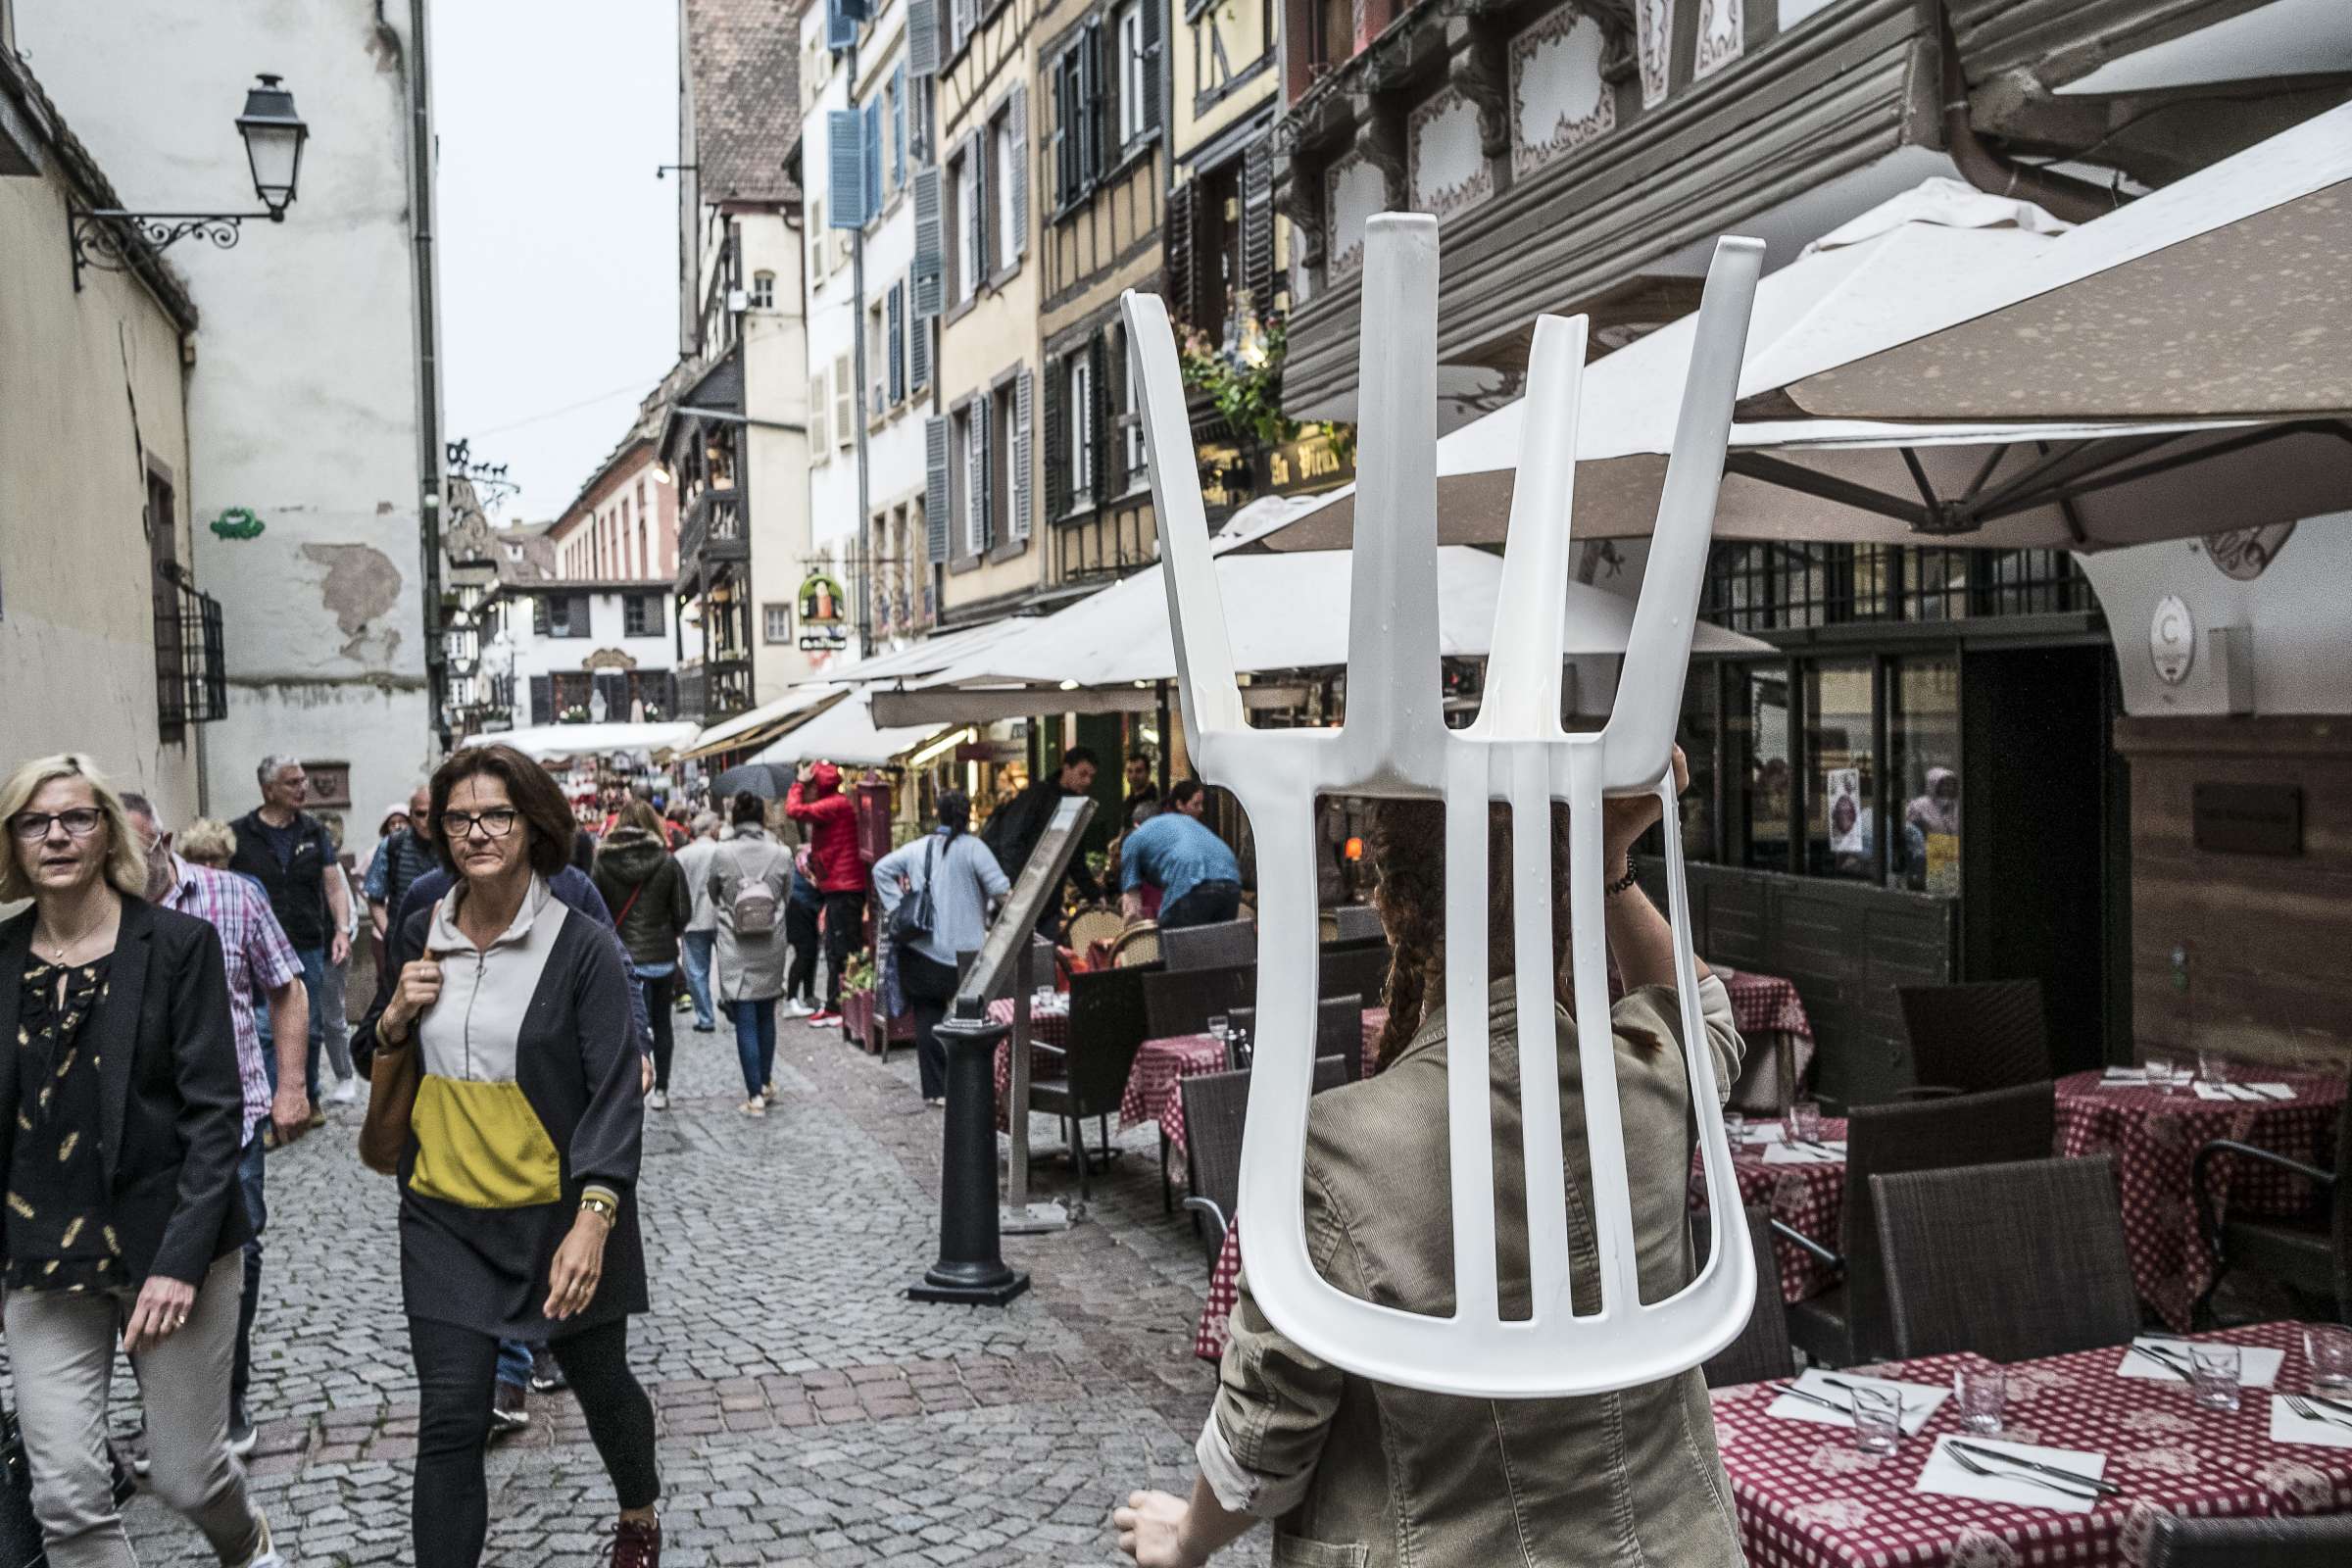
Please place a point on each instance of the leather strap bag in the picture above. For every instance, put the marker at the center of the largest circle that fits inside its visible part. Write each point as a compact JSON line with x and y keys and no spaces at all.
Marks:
{"x":393,"y":1077}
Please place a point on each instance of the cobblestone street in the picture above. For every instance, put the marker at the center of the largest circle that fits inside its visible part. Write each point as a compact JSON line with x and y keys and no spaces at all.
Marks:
{"x":808,"y":1413}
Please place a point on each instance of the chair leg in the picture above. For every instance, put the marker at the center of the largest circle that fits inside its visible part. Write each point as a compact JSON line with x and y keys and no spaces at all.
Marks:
{"x":1167,"y":1203}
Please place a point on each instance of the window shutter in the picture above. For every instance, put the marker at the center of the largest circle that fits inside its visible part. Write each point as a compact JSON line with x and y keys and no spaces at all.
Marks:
{"x":922,"y":37}
{"x":543,"y":699}
{"x":918,"y":354}
{"x":820,"y":441}
{"x":1024,"y":400}
{"x":897,"y":342}
{"x":926,"y":277}
{"x":1058,"y":438}
{"x":975,"y":221}
{"x":1176,"y":240}
{"x":1154,"y":26}
{"x":1257,"y":225}
{"x":1016,"y":117}
{"x":898,"y":127}
{"x":1090,"y":122}
{"x":960,"y":16}
{"x":540,"y":619}
{"x":870,"y":158}
{"x":975,"y":479}
{"x":841,"y":25}
{"x":579,"y":616}
{"x":935,"y":488}
{"x":1097,"y":380}
{"x":1065,"y":187}
{"x":844,"y":194}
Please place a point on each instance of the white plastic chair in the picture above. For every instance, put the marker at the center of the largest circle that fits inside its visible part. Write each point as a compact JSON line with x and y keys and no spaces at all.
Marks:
{"x":1395,"y":744}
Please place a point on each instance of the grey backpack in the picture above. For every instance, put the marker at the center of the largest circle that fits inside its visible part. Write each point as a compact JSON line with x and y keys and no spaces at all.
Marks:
{"x":754,"y":905}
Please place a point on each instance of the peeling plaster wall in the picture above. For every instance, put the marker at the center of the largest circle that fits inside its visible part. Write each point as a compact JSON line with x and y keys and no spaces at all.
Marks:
{"x":304,"y":402}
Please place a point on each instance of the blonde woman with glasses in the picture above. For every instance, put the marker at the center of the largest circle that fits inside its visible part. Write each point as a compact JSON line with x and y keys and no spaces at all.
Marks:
{"x":120,"y":1119}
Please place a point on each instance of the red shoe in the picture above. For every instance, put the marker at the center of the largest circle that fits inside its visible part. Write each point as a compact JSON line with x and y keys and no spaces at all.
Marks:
{"x":823,"y":1018}
{"x":637,"y":1544}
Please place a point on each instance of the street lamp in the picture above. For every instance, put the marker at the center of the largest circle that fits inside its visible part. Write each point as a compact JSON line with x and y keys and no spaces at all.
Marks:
{"x":110,"y":238}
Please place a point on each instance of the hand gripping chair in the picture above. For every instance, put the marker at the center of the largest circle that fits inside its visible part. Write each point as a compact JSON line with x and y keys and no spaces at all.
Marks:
{"x":1395,"y":744}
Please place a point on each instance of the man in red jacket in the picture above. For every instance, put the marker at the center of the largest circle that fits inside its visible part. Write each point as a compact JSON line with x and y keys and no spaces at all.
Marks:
{"x":815,"y":798}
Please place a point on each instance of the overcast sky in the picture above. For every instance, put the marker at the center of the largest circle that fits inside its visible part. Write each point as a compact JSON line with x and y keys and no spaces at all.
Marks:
{"x":559,"y":247}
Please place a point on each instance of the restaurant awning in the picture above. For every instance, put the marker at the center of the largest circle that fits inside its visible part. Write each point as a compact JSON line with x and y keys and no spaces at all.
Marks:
{"x":557,"y":743}
{"x":1287,"y":612}
{"x":754,"y":726}
{"x":846,"y":733}
{"x":2082,"y":485}
{"x":2224,"y":293}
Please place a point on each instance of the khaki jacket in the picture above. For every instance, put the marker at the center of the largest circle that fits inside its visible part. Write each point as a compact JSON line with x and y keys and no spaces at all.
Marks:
{"x":1364,"y":1475}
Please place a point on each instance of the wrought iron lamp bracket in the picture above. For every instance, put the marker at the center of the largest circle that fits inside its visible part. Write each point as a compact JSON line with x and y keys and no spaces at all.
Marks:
{"x":106,"y":238}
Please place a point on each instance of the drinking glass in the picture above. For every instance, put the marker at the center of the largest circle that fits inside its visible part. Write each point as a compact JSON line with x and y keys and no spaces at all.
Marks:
{"x":1219,"y":1027}
{"x":1982,"y":1389}
{"x":2159,"y":1070}
{"x":2328,"y":1351}
{"x":2213,"y":1375}
{"x":1804,"y":1122}
{"x":1878,"y":1419}
{"x":1734,"y":1129}
{"x":2213,"y":1066}
{"x":1240,"y":1042}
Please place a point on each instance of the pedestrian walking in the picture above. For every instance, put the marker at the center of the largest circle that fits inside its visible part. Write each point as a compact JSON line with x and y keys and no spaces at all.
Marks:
{"x":804,"y":915}
{"x":955,"y":884}
{"x":1013,"y":829}
{"x":702,"y":927}
{"x":400,"y":860}
{"x":815,"y":798}
{"x":285,"y":848}
{"x":1374,"y":1475}
{"x":338,"y":974}
{"x":518,"y":1206}
{"x":646,"y":893}
{"x":124,"y":1222}
{"x":256,"y":958}
{"x":1200,"y":881}
{"x":751,"y":877}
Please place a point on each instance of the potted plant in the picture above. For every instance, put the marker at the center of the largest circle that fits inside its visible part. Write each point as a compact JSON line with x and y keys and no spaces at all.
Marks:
{"x":859,"y":984}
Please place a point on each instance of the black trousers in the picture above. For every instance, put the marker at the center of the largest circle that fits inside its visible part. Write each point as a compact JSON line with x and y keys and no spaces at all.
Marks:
{"x":1203,"y":904}
{"x":455,"y":1369}
{"x":800,"y":931}
{"x":929,"y":987}
{"x":845,"y":932}
{"x":658,"y":993}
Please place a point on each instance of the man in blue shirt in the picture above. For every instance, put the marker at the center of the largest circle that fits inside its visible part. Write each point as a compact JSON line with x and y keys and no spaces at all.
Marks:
{"x":1198,"y":879}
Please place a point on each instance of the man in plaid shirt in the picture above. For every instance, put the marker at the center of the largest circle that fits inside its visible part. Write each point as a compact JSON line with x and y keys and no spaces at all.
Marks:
{"x":254,"y":948}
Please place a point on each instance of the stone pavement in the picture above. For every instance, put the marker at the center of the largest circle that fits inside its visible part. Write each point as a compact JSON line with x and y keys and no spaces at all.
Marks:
{"x":808,"y":1413}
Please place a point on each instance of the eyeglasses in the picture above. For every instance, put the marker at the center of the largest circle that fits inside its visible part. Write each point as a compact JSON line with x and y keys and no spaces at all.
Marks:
{"x":33,"y":826}
{"x":497,"y":825}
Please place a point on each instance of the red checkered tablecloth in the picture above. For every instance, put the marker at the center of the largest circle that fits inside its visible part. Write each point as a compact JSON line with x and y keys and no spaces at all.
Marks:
{"x":1809,"y":1198}
{"x":1044,"y":1029}
{"x":1765,"y":1004}
{"x":2155,"y":1136}
{"x":1807,"y":1500}
{"x":1170,"y":1115}
{"x":1160,"y":1065}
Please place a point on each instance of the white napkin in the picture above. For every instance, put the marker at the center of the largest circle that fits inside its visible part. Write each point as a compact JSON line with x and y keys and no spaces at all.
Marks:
{"x":2257,"y":1368}
{"x":2274,"y":1091}
{"x":2326,"y":1432}
{"x":2125,"y":1075}
{"x":1920,"y":1400}
{"x":2206,"y":1091}
{"x":1800,"y":1154}
{"x":1943,"y":1475}
{"x":1769,"y":1132}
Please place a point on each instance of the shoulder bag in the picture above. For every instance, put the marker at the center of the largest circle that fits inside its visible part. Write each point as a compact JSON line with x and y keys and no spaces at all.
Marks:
{"x":910,"y":922}
{"x":392,"y":1076}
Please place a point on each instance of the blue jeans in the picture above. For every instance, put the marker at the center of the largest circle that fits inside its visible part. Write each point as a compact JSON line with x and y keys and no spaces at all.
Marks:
{"x":251,"y":1168}
{"x":515,"y":1363}
{"x":699,"y":946}
{"x":756,"y":1042}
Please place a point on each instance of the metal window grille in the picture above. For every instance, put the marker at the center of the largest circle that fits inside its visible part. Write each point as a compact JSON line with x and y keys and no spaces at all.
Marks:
{"x":191,"y":674}
{"x":1786,"y":587}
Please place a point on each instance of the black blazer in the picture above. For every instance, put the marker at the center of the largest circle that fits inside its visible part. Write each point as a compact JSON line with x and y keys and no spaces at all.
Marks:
{"x":173,"y":1113}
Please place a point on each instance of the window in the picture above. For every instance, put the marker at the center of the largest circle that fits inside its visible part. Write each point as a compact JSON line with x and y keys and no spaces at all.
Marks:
{"x":1130,"y":407}
{"x":1076,"y":153}
{"x":1002,"y":449}
{"x":562,"y":615}
{"x":1129,"y":80}
{"x":962,"y":513}
{"x":963,"y":215}
{"x":821,"y":239}
{"x":763,"y":291}
{"x":1080,"y":373}
{"x":1781,"y":587}
{"x":640,"y":616}
{"x":1922,"y":746}
{"x":1764,"y":782}
{"x":1009,"y":221}
{"x":959,"y":23}
{"x":845,"y":399}
{"x":893,"y":109}
{"x":1841,"y":775}
{"x":877,"y":362}
{"x":821,"y":443}
{"x":894,"y":347}
{"x":775,"y":622}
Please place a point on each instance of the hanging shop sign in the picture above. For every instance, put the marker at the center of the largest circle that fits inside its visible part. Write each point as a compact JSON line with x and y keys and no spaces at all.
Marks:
{"x":820,"y":601}
{"x":2245,"y":553}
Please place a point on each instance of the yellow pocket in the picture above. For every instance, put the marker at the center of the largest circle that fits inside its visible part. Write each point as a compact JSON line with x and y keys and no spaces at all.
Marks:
{"x":481,"y":1145}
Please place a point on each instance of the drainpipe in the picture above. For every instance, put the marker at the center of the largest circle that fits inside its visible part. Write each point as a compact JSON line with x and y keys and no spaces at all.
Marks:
{"x":2076,"y":201}
{"x":428,"y":353}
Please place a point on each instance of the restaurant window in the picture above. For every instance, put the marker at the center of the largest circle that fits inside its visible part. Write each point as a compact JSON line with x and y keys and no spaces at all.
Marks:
{"x":1762,"y":771}
{"x":1922,"y":746}
{"x":1842,"y":824}
{"x":1784,"y":587}
{"x":775,"y":622}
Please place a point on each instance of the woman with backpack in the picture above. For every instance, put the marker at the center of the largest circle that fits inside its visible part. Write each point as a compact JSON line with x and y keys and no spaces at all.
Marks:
{"x":751,"y":877}
{"x":646,"y":891}
{"x":937,"y":893}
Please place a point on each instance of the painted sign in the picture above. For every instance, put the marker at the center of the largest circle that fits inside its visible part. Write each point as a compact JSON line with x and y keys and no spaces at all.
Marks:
{"x":2173,"y":640}
{"x":2246,"y":553}
{"x":820,"y":601}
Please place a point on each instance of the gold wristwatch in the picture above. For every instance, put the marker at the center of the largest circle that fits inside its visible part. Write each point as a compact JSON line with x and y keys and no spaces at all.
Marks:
{"x":602,"y":1207}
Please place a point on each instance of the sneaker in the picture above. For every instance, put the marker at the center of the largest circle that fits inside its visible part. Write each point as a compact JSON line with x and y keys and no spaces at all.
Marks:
{"x":318,"y":1115}
{"x":510,"y":1408}
{"x":822,"y":1020}
{"x":682,"y":1005}
{"x":637,"y":1544}
{"x":345,"y":1093}
{"x":768,"y":1092}
{"x":659,"y":1100}
{"x":795,"y":1007}
{"x":266,"y":1555}
{"x":705,"y":1028}
{"x":546,"y":1376}
{"x":754,"y":1107}
{"x":241,"y":1435}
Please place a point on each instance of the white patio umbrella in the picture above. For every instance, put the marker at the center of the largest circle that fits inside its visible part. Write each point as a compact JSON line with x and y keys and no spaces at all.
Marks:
{"x":556,"y":743}
{"x":846,"y":733}
{"x":1792,"y":476}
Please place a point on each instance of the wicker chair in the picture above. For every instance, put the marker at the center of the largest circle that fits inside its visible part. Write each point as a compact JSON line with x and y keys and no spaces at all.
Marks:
{"x":1339,"y":1031}
{"x":1180,"y":1001}
{"x":1966,"y":1039}
{"x":1216,"y":1111}
{"x":1107,"y":1026}
{"x":1762,"y":1350}
{"x":1356,"y":922}
{"x":2325,"y":1541}
{"x":1092,"y":925}
{"x":1138,"y":947}
{"x":1849,"y":1323}
{"x":2012,"y":1261}
{"x":2310,"y":1253}
{"x":1210,"y":947}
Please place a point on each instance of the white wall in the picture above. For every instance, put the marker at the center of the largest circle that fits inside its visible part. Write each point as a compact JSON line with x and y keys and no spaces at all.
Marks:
{"x":305,"y":400}
{"x":2297,"y":610}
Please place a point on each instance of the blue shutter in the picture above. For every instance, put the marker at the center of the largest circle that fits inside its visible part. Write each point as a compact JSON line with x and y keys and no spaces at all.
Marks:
{"x":898,"y":127}
{"x":935,"y":489}
{"x":929,"y":246}
{"x":922,"y":37}
{"x":841,"y":24}
{"x":918,"y":344}
{"x":897,"y":342}
{"x":1016,"y":118}
{"x":1024,"y":403}
{"x":873,"y":156}
{"x":844,"y":196}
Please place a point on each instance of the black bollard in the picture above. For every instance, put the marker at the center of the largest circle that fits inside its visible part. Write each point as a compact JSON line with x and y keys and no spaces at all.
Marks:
{"x":971,"y":1267}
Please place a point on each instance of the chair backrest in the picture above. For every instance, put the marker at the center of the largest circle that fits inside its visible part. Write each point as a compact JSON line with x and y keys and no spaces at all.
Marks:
{"x":1339,"y":1031}
{"x":1180,"y":1001}
{"x":1363,"y":970}
{"x":1089,"y":926}
{"x":2012,"y":1261}
{"x":1216,"y":1108}
{"x":1138,"y":945}
{"x":1210,"y":947}
{"x":1108,"y":1022}
{"x":1356,"y":922}
{"x":1986,"y":1034}
{"x":2323,"y":1542}
{"x":2002,"y":1125}
{"x":1762,"y":1350}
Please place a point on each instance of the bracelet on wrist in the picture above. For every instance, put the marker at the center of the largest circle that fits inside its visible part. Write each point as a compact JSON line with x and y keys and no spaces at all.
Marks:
{"x":1623,"y":883}
{"x":602,"y":1207}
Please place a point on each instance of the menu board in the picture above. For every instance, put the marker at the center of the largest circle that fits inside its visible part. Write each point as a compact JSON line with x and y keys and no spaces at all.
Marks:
{"x":1040,"y":880}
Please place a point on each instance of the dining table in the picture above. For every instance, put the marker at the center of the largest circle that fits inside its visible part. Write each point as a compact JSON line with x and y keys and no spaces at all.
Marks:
{"x":1778,"y":1035}
{"x":1806,"y":1497}
{"x":2154,"y":1133}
